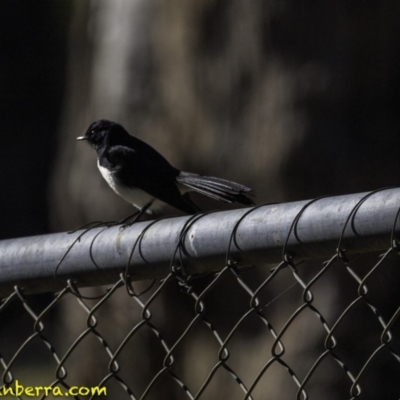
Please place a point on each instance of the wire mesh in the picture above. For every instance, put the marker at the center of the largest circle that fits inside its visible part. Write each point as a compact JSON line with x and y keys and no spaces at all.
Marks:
{"x":299,"y":329}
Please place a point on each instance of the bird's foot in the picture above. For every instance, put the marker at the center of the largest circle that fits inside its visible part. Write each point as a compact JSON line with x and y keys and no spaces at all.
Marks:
{"x":127,"y":225}
{"x":129,"y":220}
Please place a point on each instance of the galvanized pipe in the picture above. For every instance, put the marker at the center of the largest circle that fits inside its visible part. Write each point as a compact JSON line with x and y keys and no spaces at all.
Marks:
{"x":260,"y":237}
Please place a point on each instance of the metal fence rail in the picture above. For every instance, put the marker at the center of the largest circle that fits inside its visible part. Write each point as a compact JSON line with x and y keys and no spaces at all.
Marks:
{"x":320,"y":323}
{"x":100,"y":254}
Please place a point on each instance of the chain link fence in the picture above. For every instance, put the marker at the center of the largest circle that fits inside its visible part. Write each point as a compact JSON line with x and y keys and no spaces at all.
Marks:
{"x":301,"y":303}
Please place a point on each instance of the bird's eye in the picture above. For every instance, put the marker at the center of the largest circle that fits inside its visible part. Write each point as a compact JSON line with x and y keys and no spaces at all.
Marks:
{"x":92,"y":131}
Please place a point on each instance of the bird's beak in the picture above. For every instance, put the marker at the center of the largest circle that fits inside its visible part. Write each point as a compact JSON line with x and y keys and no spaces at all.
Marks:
{"x":81,"y":138}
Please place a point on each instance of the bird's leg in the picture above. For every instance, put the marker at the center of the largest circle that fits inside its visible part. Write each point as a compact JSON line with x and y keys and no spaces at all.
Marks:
{"x":126,"y":219}
{"x":136,"y":216}
{"x":145,"y":208}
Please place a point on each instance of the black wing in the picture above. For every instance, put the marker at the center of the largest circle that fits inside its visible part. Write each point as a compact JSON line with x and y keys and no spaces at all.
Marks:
{"x":148,"y":171}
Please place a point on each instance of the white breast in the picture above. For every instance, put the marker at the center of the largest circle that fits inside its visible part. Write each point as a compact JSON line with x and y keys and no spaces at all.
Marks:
{"x":134,"y":196}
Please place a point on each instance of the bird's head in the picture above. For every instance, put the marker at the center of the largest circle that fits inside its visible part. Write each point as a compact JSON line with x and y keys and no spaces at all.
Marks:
{"x":100,"y":132}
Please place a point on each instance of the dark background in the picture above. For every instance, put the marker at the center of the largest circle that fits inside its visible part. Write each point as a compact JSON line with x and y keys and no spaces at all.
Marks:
{"x":33,"y":44}
{"x":296,"y":99}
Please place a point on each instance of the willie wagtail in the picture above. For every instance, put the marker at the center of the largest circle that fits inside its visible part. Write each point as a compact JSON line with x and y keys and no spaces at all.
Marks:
{"x":144,"y":178}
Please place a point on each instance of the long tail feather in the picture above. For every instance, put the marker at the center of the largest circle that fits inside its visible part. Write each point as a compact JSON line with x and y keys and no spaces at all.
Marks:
{"x":216,"y":188}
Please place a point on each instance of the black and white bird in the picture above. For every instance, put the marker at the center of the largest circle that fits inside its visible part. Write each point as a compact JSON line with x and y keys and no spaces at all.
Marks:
{"x":144,"y":178}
